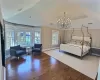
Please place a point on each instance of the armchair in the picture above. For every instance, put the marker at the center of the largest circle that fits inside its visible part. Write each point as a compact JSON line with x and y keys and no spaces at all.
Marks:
{"x":37,"y":48}
{"x":17,"y":51}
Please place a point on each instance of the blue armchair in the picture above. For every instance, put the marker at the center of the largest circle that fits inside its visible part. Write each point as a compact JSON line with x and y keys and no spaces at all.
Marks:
{"x":17,"y":51}
{"x":37,"y":48}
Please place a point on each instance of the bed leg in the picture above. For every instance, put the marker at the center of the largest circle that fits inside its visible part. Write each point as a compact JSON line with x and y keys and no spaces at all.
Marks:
{"x":81,"y":57}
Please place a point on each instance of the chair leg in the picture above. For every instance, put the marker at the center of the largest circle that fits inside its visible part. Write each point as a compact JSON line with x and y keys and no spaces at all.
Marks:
{"x":10,"y":57}
{"x":81,"y":57}
{"x":33,"y":53}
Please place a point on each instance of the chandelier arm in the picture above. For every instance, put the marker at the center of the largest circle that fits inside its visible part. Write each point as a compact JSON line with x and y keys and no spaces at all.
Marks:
{"x":64,"y":22}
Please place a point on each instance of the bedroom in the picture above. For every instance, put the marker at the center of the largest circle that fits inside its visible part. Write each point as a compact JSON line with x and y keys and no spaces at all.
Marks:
{"x":55,"y":26}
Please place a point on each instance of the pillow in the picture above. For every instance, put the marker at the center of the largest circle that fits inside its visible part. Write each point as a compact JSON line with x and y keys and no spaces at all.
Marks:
{"x":86,"y":43}
{"x":78,"y":42}
{"x":73,"y":42}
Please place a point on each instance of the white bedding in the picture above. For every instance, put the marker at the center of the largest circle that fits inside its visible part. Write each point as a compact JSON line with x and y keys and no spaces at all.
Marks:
{"x":74,"y":49}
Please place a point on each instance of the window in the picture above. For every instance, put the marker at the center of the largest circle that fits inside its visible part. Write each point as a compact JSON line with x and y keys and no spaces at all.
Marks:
{"x":28,"y":38}
{"x":9,"y":39}
{"x":24,"y":38}
{"x":55,"y":37}
{"x":20,"y":38}
{"x":37,"y":39}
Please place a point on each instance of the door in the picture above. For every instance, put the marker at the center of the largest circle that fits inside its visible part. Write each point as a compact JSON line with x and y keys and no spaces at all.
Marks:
{"x":2,"y":48}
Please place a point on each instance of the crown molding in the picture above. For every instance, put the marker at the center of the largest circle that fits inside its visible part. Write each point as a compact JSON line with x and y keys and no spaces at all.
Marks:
{"x":16,"y":24}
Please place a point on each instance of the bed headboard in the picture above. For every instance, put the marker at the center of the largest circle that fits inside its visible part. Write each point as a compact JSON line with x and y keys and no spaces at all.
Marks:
{"x":81,"y":38}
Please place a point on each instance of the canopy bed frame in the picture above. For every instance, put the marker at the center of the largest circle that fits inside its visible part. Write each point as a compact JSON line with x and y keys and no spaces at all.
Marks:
{"x":78,"y":45}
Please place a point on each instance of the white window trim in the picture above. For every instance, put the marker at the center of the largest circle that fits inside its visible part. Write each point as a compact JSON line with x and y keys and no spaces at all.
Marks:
{"x":34,"y":35}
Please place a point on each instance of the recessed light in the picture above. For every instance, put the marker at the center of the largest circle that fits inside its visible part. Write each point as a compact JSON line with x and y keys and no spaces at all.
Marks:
{"x":20,"y":9}
{"x":30,"y":17}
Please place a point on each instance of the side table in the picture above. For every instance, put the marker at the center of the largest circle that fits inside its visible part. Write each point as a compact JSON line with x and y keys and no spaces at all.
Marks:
{"x":28,"y":50}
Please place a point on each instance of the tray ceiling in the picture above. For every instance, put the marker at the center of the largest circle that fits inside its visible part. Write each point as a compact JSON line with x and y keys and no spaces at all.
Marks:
{"x":43,"y":12}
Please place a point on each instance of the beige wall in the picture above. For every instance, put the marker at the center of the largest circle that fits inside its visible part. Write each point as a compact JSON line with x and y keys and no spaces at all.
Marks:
{"x":46,"y":33}
{"x":47,"y":37}
{"x":94,"y":32}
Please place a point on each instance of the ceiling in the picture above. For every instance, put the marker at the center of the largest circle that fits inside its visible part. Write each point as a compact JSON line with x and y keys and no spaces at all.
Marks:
{"x":13,"y":7}
{"x":45,"y":12}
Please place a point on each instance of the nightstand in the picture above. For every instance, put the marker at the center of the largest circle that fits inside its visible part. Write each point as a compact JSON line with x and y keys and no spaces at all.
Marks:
{"x":95,"y":52}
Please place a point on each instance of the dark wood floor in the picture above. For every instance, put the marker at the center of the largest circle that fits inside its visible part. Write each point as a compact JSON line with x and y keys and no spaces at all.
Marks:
{"x":41,"y":67}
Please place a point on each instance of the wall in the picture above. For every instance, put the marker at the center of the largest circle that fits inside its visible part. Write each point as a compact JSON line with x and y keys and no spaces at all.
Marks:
{"x":79,"y":22}
{"x":1,"y":68}
{"x":20,"y":28}
{"x":0,"y":57}
{"x":47,"y":37}
{"x":94,"y":32}
{"x":46,"y":33}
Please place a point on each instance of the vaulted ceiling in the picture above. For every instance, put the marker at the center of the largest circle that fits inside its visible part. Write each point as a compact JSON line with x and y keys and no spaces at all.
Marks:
{"x":45,"y":12}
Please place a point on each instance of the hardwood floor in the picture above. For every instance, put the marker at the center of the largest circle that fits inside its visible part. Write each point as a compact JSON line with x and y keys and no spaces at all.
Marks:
{"x":41,"y":67}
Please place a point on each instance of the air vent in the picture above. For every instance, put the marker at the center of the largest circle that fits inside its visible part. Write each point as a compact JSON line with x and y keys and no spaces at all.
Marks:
{"x":90,"y":23}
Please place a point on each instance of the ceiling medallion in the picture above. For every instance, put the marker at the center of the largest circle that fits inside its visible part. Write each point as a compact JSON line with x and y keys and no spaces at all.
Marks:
{"x":64,"y":22}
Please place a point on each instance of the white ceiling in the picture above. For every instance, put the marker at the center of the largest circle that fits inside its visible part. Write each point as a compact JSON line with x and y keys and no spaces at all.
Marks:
{"x":41,"y":15}
{"x":13,"y":7}
{"x":44,"y":12}
{"x":93,"y":5}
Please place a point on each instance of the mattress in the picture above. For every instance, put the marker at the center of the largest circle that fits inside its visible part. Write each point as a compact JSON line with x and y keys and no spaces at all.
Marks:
{"x":74,"y":48}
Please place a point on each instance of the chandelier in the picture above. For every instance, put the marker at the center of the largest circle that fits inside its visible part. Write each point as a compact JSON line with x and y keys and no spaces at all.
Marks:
{"x":64,"y":22}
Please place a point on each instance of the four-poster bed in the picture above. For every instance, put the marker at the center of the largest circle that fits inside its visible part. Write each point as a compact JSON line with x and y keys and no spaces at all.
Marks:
{"x":78,"y":45}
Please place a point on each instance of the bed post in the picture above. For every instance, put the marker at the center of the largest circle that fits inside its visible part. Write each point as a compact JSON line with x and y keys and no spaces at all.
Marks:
{"x":82,"y":41}
{"x":90,"y":39}
{"x":72,"y":33}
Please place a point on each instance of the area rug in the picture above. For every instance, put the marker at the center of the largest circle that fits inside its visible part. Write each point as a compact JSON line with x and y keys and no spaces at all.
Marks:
{"x":87,"y":66}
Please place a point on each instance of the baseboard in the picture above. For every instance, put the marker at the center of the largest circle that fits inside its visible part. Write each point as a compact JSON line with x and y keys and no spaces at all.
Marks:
{"x":95,"y":48}
{"x":50,"y":49}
